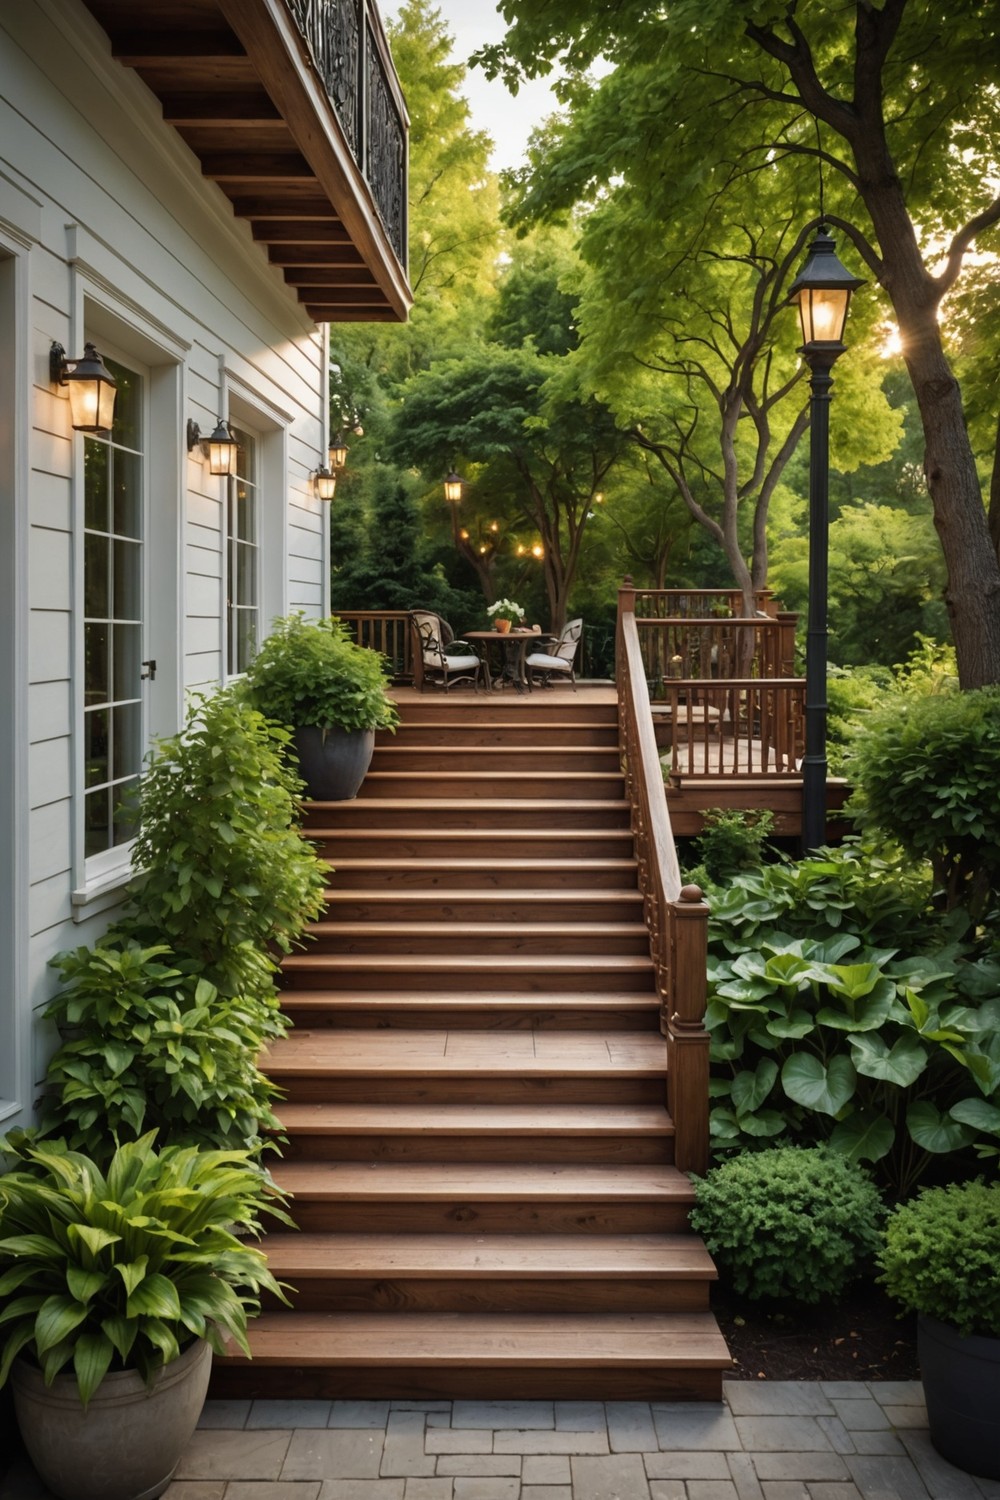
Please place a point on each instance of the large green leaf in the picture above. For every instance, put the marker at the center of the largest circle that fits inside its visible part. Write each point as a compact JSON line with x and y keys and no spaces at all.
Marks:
{"x":794,"y":1026}
{"x":860,"y":1015}
{"x":766,"y":1122}
{"x":934,"y":1131}
{"x":91,"y":1358}
{"x":902,"y":1063}
{"x":749,"y":1090}
{"x":864,"y":1136}
{"x":93,"y":1238}
{"x":56,"y":1320}
{"x":154,"y":1297}
{"x":825,"y":1089}
{"x":84,"y":1285}
{"x":132,"y":1272}
{"x":978,"y":1113}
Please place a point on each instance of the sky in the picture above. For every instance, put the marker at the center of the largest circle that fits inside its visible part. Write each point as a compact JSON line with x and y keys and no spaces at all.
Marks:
{"x":508,"y":120}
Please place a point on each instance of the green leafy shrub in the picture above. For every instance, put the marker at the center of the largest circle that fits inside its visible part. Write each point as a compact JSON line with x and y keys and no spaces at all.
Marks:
{"x":877,"y":1033}
{"x":788,"y":1222}
{"x":927,"y":774}
{"x":122,"y":1269}
{"x":731,"y":840}
{"x":941,"y":1256}
{"x":147,"y":1046}
{"x":852,"y":694}
{"x":310,"y":672}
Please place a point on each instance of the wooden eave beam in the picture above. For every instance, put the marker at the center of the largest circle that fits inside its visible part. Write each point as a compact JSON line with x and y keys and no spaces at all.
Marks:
{"x":237,"y":109}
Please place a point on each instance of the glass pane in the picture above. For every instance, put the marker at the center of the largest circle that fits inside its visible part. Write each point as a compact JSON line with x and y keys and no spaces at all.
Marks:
{"x":246,"y":626}
{"x":96,"y":591}
{"x":246,"y":575}
{"x":244,"y":523}
{"x":97,"y":822}
{"x":128,"y":560}
{"x":126,"y":816}
{"x":95,"y":733}
{"x":246,"y":454}
{"x":96,"y":664}
{"x":126,"y":752}
{"x":128,"y":406}
{"x":95,"y":485}
{"x":127,"y":494}
{"x":126,"y":664}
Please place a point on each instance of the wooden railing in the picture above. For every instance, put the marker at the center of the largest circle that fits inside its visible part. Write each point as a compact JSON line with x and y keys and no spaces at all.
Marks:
{"x":385,"y":630}
{"x":677,"y":646}
{"x":747,"y":726}
{"x":698,"y":604}
{"x":676,"y":916}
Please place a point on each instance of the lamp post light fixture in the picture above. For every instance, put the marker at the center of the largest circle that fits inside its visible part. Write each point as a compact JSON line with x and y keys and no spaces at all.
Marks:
{"x":92,"y":388}
{"x":453,"y":487}
{"x":822,"y":291}
{"x":337,"y":455}
{"x":219,"y":447}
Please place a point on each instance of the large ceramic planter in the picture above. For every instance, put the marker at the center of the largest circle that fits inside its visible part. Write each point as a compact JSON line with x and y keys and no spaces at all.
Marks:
{"x":128,"y":1442}
{"x":961,"y":1378}
{"x":333,"y":762}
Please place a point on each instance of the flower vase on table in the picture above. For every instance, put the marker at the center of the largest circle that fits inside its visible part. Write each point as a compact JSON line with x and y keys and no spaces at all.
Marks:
{"x":504,"y":614}
{"x":502,"y":625}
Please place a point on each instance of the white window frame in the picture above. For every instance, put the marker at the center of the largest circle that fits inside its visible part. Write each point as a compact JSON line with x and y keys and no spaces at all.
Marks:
{"x":234,"y":608}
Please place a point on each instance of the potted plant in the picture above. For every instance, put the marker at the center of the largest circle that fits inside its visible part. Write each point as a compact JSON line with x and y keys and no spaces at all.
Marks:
{"x":941,"y":1260}
{"x":504,"y":613}
{"x":131,"y":1277}
{"x":333,"y":695}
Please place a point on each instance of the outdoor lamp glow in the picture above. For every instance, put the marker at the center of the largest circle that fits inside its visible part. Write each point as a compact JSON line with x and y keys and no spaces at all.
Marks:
{"x":822,"y":291}
{"x":337,"y":455}
{"x":220,"y":447}
{"x":92,"y":388}
{"x":324,"y":483}
{"x":453,"y":487}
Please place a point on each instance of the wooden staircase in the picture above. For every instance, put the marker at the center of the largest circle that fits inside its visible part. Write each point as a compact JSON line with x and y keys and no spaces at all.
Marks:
{"x":478,"y":1143}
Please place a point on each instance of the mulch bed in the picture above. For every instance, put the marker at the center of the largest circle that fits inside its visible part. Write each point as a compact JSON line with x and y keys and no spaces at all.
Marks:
{"x":860,"y":1337}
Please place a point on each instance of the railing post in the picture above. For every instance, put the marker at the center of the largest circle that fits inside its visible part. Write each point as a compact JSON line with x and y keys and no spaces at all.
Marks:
{"x":687,"y":1039}
{"x":787,"y":621}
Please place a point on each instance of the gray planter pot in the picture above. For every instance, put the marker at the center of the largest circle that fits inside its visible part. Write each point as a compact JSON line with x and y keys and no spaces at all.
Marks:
{"x":961,"y":1379}
{"x":333,"y":762}
{"x":128,"y":1442}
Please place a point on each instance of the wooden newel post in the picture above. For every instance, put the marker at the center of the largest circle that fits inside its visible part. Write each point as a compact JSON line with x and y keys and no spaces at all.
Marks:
{"x":687,"y":1039}
{"x":787,"y":621}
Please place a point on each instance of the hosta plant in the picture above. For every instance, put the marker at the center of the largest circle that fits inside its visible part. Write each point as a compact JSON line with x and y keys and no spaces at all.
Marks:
{"x":122,"y":1269}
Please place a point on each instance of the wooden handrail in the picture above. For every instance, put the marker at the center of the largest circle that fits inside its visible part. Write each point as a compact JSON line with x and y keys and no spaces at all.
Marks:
{"x":384,"y":630}
{"x":676,"y":916}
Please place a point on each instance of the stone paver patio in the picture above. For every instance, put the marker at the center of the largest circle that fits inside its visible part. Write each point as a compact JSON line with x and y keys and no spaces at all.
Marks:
{"x":768,"y":1441}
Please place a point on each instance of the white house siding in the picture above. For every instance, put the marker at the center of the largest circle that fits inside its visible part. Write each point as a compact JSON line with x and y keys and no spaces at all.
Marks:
{"x":109,"y":231}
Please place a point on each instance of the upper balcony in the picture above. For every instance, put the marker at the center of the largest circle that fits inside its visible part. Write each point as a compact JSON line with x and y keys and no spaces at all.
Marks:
{"x":293,"y":107}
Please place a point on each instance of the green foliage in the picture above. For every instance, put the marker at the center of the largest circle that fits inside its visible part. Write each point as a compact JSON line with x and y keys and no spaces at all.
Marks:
{"x":147,"y":1046}
{"x":841,"y":1012}
{"x":789,"y":1223}
{"x":851,"y":696}
{"x":311,"y":672}
{"x":927,"y":773}
{"x":733,"y":840}
{"x":941,"y":1255}
{"x":123,"y":1268}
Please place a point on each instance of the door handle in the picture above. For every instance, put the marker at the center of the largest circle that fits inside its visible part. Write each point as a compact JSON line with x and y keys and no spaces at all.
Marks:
{"x":150,"y":672}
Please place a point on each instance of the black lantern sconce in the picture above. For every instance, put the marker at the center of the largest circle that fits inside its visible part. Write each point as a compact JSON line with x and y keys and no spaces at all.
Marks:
{"x":453,"y":487}
{"x":324,"y":483}
{"x":337,"y":456}
{"x":220,"y":448}
{"x":92,"y":388}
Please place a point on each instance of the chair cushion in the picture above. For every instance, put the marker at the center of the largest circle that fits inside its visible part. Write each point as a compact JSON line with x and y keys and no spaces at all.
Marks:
{"x":454,"y":662}
{"x":547,"y":663}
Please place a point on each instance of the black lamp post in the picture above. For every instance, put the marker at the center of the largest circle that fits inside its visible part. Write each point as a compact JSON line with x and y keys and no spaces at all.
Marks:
{"x":822,"y":291}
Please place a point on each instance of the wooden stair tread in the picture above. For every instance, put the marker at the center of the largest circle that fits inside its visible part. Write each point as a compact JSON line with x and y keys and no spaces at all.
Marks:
{"x":455,"y":929}
{"x":496,"y":1182}
{"x":471,"y":962}
{"x":564,"y":895}
{"x":361,"y":806}
{"x":474,"y":1119}
{"x":568,"y":1000}
{"x":545,"y":1256}
{"x":486,"y":1054}
{"x":470,"y":1340}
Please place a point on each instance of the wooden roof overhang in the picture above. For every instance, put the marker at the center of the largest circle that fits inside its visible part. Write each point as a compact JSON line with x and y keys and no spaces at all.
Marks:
{"x":293,"y":107}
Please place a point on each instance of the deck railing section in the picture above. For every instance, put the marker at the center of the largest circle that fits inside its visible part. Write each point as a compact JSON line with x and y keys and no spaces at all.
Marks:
{"x":698,"y":604}
{"x":746,"y":726}
{"x":676,"y":916}
{"x":343,"y":37}
{"x":680,"y":646}
{"x":384,"y":630}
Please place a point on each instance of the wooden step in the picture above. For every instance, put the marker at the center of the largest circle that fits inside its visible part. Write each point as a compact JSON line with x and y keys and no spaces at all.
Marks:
{"x":456,"y":734}
{"x":523,"y":907}
{"x":492,"y":709}
{"x":393,"y":873}
{"x":485,"y":1197}
{"x":476,"y":1132}
{"x":352,"y":839}
{"x":453,"y":1273}
{"x":485,"y":815}
{"x":483,"y":939}
{"x":468,"y":972}
{"x":624,"y":1356}
{"x":360,"y":1009}
{"x":456,"y":782}
{"x":500,"y":760}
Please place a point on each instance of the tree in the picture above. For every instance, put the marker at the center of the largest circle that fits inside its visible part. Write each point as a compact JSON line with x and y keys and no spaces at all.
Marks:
{"x":891,"y":100}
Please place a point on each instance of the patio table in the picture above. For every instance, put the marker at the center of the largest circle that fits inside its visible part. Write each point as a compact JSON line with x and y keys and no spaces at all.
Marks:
{"x":511,"y":657}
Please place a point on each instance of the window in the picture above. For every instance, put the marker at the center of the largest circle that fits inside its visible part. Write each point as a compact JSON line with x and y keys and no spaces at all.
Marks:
{"x":242,"y":545}
{"x":113,"y":579}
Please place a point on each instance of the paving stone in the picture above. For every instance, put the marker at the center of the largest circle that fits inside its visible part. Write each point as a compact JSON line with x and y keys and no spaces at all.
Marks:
{"x":619,"y":1476}
{"x":781,"y":1434}
{"x":181,"y":1489}
{"x":550,"y":1442}
{"x":786,"y":1489}
{"x":439,"y":1418}
{"x":888,"y":1479}
{"x":435,"y":1404}
{"x":488,"y":1465}
{"x":861,"y":1416}
{"x":404,"y":1446}
{"x":990,"y":1488}
{"x":711,"y":1489}
{"x":276,"y":1414}
{"x":505,"y":1414}
{"x":630,"y":1427}
{"x":834,"y":1492}
{"x":428,"y":1489}
{"x":668,"y":1489}
{"x":362,"y":1489}
{"x":545,"y":1468}
{"x":487,"y":1489}
{"x":358,"y":1414}
{"x":220,"y":1454}
{"x":942,"y":1479}
{"x":837,"y":1435}
{"x":548,"y":1492}
{"x":906,"y":1416}
{"x":778,"y":1398}
{"x":886,"y":1444}
{"x":580,"y":1416}
{"x":744,"y":1476}
{"x":693,"y":1425}
{"x":230,"y":1414}
{"x":273,"y":1489}
{"x":846,"y":1388}
{"x":334,"y":1453}
{"x":802,"y":1466}
{"x":895,"y":1392}
{"x":681,"y":1465}
{"x":458,"y":1440}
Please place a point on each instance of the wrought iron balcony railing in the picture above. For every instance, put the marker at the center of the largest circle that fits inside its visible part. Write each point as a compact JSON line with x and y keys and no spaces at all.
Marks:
{"x":342,"y":37}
